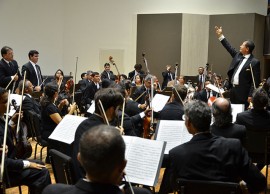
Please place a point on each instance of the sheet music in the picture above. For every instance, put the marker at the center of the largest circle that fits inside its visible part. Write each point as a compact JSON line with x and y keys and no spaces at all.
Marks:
{"x":17,"y":98}
{"x":215,"y":88}
{"x":237,"y":108}
{"x":66,"y":129}
{"x":173,"y":132}
{"x":91,"y":109}
{"x":144,"y":158}
{"x":159,"y":101}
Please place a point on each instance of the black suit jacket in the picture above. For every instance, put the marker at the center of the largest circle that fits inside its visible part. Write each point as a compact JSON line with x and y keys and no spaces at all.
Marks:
{"x":245,"y":88}
{"x":254,"y":119}
{"x":202,"y":95}
{"x":172,"y":111}
{"x":208,"y":157}
{"x":31,"y":73}
{"x":104,"y":75}
{"x":167,"y":78}
{"x":6,"y":72}
{"x":89,"y":93}
{"x":230,"y":131}
{"x":132,"y":74}
{"x":141,"y":91}
{"x":82,"y":187}
{"x":30,"y":104}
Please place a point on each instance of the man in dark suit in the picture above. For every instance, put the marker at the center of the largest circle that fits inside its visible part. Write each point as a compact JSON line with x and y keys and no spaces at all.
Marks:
{"x":107,"y":73}
{"x":167,"y":75}
{"x":20,"y":172}
{"x":9,"y":70}
{"x":243,"y":65}
{"x":32,"y":69}
{"x":175,"y":109}
{"x":206,"y":93}
{"x":99,"y":145}
{"x":201,"y":78}
{"x":208,"y":157}
{"x":223,"y":126}
{"x":138,"y":70}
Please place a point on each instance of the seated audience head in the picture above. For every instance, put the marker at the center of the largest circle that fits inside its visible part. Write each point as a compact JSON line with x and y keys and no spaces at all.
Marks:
{"x":50,"y":94}
{"x":98,"y":146}
{"x":182,"y":91}
{"x":197,"y":117}
{"x":111,"y":99}
{"x":28,"y":87}
{"x":222,"y":112}
{"x":259,"y":99}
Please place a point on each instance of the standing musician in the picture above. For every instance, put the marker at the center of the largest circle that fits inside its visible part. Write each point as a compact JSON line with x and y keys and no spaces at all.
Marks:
{"x":9,"y":70}
{"x":168,"y":76}
{"x":243,"y":68}
{"x":138,"y":70}
{"x":107,"y":73}
{"x":20,"y":172}
{"x":201,"y":77}
{"x":32,"y":69}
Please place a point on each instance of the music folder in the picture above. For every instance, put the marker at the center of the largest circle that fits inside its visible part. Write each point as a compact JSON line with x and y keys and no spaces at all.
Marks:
{"x":144,"y":159}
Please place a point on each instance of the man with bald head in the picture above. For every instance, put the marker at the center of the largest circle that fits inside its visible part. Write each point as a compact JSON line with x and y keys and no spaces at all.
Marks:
{"x":243,"y":65}
{"x":223,"y":126}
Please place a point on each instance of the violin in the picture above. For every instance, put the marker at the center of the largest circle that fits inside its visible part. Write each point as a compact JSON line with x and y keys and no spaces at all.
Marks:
{"x":22,"y":145}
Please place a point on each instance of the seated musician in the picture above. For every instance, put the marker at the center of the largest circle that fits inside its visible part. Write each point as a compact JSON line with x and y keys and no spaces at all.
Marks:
{"x":209,"y":157}
{"x":20,"y":172}
{"x":102,"y":155}
{"x":175,"y":109}
{"x":206,"y":93}
{"x":50,"y":113}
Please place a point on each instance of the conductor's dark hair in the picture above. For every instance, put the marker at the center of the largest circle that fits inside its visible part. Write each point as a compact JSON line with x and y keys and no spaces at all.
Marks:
{"x":4,"y":50}
{"x":138,"y":66}
{"x":98,"y":145}
{"x":199,"y":114}
{"x":50,"y":89}
{"x":259,"y":99}
{"x":223,"y":117}
{"x":32,"y":53}
{"x":182,"y":91}
{"x":250,"y":45}
{"x":2,"y":91}
{"x":109,"y":97}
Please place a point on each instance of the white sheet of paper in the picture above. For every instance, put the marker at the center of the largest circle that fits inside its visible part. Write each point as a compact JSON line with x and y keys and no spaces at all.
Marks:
{"x":215,"y":88}
{"x":173,"y":132}
{"x":144,"y":157}
{"x":17,"y":98}
{"x":159,"y":101}
{"x":237,"y":108}
{"x":66,"y":129}
{"x":91,"y":109}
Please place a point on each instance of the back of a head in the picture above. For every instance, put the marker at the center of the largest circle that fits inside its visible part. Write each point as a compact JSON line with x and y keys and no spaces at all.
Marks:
{"x":182,"y":91}
{"x":110,"y":97}
{"x":199,"y":114}
{"x":259,"y":99}
{"x":102,"y":149}
{"x":49,"y":91}
{"x":26,"y":85}
{"x":222,"y":112}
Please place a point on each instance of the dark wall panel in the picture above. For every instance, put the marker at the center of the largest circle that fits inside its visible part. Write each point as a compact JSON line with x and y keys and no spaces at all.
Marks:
{"x":159,"y":36}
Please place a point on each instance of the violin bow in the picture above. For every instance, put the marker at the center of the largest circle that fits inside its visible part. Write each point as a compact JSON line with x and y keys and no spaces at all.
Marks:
{"x":75,"y":77}
{"x":20,"y":110}
{"x":175,"y":75}
{"x":252,"y":75}
{"x":4,"y":140}
{"x":123,"y":112}
{"x":103,"y":112}
{"x":11,"y":81}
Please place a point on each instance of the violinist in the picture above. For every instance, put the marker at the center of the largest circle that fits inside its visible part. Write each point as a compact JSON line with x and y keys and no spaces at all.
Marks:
{"x":51,"y":114}
{"x":175,"y":109}
{"x":107,"y":73}
{"x":58,"y":79}
{"x":206,"y":93}
{"x":20,"y":172}
{"x":138,"y":80}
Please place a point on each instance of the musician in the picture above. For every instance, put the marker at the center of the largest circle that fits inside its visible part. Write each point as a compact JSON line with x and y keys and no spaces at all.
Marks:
{"x":201,"y":77}
{"x":240,"y":73}
{"x":223,"y":126}
{"x":9,"y":70}
{"x":138,"y":80}
{"x":209,"y":157}
{"x":20,"y":172}
{"x":111,"y":99}
{"x":91,"y":89}
{"x":138,"y":70}
{"x":143,"y":91}
{"x":51,"y":114}
{"x":175,"y":109}
{"x":102,"y":156}
{"x":107,"y":73}
{"x":82,"y":82}
{"x":206,"y":93}
{"x":33,"y":71}
{"x":167,"y":75}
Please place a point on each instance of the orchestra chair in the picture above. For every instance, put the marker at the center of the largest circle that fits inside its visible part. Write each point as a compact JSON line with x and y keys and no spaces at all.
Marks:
{"x":184,"y":186}
{"x":63,"y":168}
{"x":258,"y":147}
{"x":8,"y":184}
{"x":36,"y":128}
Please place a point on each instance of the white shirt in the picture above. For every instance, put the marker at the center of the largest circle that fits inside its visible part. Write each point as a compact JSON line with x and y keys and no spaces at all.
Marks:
{"x":235,"y":78}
